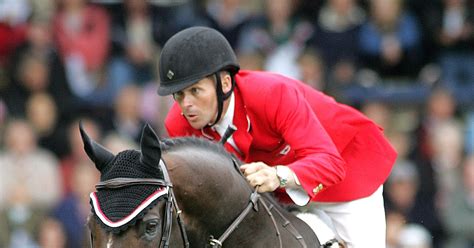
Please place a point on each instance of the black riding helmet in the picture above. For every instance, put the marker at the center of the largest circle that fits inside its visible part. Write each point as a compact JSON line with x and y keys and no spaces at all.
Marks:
{"x":193,"y":54}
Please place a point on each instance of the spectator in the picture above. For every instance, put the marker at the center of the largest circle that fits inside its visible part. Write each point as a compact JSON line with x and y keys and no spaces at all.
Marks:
{"x":335,"y":36}
{"x":277,"y":34}
{"x":74,"y":208}
{"x":440,"y":108}
{"x":20,"y":219}
{"x":39,"y":45}
{"x":379,"y":112}
{"x":447,"y":143}
{"x":456,"y":38}
{"x":389,"y":41}
{"x":438,"y":152}
{"x":82,"y":35}
{"x":229,"y":17}
{"x":459,"y":210}
{"x":429,"y":17}
{"x":42,"y":113}
{"x":434,"y":151}
{"x":395,"y":223}
{"x":31,"y":77}
{"x":13,"y":19}
{"x":126,"y":119}
{"x":23,"y":163}
{"x":81,"y":31}
{"x":401,"y":188}
{"x":134,"y":46}
{"x":51,"y":234}
{"x":312,"y":69}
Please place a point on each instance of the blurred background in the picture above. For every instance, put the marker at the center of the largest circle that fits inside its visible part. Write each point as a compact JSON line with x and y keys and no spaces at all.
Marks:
{"x":408,"y":65}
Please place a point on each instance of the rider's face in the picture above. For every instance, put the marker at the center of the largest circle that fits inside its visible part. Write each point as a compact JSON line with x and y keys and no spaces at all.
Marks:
{"x":198,"y":102}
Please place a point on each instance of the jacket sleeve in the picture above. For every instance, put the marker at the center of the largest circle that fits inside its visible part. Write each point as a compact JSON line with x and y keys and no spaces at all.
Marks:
{"x":318,"y":163}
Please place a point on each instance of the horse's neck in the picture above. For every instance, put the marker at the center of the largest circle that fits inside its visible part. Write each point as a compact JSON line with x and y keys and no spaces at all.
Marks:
{"x":211,"y":194}
{"x":206,"y":184}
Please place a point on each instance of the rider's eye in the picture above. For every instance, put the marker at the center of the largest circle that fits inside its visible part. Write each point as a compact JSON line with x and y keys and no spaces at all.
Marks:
{"x":151,"y":227}
{"x":195,"y":91}
{"x":178,"y":96}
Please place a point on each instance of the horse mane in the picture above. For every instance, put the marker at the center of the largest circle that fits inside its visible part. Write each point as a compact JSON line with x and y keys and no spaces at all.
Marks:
{"x":170,"y":144}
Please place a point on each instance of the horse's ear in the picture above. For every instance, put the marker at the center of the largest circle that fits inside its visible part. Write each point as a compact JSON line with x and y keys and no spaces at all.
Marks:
{"x":97,"y":153}
{"x":150,"y":146}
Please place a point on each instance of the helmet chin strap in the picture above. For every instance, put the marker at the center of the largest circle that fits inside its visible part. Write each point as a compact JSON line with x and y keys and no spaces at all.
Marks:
{"x":221,"y":96}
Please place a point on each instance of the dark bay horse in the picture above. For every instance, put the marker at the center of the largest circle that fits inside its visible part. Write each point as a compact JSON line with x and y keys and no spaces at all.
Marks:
{"x":214,"y":204}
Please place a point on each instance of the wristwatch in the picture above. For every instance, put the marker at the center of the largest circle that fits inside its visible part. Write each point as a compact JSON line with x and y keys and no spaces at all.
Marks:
{"x":283,"y":174}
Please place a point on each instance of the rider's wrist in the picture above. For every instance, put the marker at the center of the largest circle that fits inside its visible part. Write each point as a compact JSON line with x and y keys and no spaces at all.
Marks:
{"x":284,"y":175}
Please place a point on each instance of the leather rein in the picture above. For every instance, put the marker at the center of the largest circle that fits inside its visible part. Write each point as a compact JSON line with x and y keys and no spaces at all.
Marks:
{"x":255,"y":197}
{"x":253,"y":203}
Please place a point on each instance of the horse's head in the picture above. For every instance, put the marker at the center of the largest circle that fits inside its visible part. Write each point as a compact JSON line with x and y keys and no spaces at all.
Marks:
{"x":131,"y":207}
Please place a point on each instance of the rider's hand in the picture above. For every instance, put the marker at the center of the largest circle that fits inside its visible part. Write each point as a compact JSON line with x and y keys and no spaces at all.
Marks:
{"x":260,"y":174}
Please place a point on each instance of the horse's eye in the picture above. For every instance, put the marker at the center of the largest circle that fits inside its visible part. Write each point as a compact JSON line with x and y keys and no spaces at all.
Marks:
{"x":151,"y":227}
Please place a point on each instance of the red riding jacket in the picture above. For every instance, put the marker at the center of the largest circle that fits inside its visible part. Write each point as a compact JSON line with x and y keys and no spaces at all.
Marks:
{"x":337,"y":153}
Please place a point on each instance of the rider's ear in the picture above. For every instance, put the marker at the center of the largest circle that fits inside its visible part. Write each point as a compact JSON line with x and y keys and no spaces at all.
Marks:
{"x":226,"y":81}
{"x":97,"y":153}
{"x":150,"y":146}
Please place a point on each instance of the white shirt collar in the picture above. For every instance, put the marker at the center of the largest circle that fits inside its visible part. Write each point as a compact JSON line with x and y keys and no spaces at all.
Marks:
{"x":221,"y":126}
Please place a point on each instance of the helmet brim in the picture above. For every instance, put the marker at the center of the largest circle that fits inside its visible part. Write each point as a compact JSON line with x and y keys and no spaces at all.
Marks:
{"x":175,"y":86}
{"x":168,"y":89}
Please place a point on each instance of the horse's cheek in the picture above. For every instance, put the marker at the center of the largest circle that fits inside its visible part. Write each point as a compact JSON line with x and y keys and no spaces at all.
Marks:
{"x":149,"y":244}
{"x":132,"y":240}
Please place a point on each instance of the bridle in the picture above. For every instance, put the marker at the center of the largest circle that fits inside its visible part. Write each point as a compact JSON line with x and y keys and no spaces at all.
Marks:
{"x":171,"y":204}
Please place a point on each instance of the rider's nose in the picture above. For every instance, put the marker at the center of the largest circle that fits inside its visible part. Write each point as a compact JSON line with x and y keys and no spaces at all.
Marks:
{"x":187,"y":101}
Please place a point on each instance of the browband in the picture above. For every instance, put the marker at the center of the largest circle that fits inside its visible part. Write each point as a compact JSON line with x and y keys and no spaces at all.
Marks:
{"x":124,"y":182}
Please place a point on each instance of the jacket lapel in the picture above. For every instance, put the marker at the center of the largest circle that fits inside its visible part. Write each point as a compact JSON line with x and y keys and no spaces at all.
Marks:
{"x":242,"y":137}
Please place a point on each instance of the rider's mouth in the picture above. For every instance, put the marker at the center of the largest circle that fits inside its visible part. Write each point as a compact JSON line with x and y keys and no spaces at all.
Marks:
{"x":191,"y":117}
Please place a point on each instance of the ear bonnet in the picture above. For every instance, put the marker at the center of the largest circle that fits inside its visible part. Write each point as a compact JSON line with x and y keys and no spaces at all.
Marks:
{"x":120,"y":205}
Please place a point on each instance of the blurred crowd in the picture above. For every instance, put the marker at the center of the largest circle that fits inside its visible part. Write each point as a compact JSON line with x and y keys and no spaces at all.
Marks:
{"x":408,"y":65}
